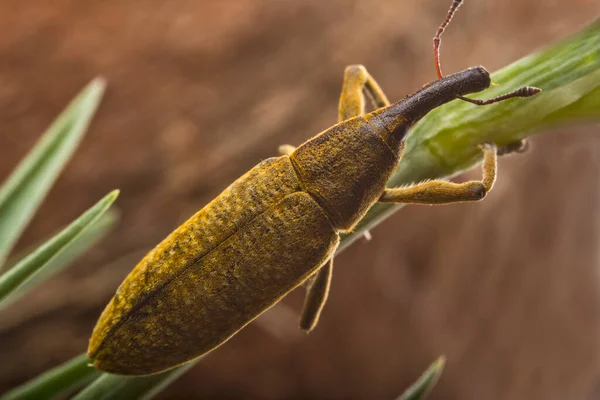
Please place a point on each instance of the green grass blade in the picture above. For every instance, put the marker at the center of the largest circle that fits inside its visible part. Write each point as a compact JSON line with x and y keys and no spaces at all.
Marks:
{"x":423,"y":386}
{"x":62,"y":379}
{"x":25,"y":189}
{"x":585,"y":108}
{"x":109,"y":386}
{"x":444,"y":142}
{"x":80,"y":245}
{"x":37,"y":260}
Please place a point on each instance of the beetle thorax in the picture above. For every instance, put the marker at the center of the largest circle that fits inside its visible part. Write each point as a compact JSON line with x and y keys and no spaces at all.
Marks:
{"x":346,"y":168}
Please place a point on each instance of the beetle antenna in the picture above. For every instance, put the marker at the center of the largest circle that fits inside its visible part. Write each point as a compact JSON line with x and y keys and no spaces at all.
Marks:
{"x":437,"y":39}
{"x":525,"y":91}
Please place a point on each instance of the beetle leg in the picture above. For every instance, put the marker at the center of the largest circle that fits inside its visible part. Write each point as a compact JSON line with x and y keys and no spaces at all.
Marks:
{"x":357,"y":83}
{"x":316,"y":296}
{"x":441,"y":192}
{"x":286,"y":149}
{"x":519,"y":146}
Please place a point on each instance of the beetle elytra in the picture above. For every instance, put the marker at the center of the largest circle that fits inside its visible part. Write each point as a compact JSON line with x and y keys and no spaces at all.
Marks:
{"x":277,"y":227}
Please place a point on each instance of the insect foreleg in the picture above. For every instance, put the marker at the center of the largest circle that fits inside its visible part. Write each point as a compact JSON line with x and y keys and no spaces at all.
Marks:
{"x":518,"y":146}
{"x":316,"y":296}
{"x":357,"y":82}
{"x":286,"y":149}
{"x":442,"y":192}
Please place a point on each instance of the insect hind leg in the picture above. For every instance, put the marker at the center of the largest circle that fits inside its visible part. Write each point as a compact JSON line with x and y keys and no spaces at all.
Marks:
{"x":316,"y":296}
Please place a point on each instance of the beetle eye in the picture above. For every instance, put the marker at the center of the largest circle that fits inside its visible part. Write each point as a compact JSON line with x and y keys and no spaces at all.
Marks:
{"x":400,"y":131}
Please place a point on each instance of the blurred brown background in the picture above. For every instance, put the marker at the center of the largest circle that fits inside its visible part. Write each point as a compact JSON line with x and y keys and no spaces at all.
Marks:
{"x":200,"y":91}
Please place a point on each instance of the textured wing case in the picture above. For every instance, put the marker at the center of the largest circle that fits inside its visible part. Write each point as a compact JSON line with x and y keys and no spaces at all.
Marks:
{"x":227,"y":264}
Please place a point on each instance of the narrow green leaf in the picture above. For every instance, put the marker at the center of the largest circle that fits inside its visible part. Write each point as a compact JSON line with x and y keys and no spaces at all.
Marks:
{"x":80,"y":245}
{"x":423,"y":386}
{"x":109,"y":386}
{"x":62,"y":379}
{"x":444,"y":142}
{"x":24,"y":190}
{"x":585,"y":108}
{"x":37,"y":260}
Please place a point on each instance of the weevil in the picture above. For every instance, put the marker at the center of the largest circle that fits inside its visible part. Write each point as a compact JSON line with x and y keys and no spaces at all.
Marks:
{"x":278,"y":226}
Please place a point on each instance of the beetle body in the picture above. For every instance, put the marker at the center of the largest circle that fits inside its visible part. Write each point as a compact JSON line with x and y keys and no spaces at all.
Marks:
{"x":263,"y":236}
{"x":259,"y":239}
{"x":215,"y":273}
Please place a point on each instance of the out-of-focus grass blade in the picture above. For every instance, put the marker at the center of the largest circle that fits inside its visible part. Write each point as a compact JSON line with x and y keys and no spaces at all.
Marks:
{"x":37,"y":260}
{"x":444,"y":143}
{"x":80,"y":245}
{"x":109,"y":386}
{"x":50,"y":384}
{"x":27,"y":186}
{"x":423,"y":386}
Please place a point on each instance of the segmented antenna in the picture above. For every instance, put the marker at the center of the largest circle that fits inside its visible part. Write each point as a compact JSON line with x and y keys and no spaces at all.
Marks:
{"x":437,"y":39}
{"x":525,"y":91}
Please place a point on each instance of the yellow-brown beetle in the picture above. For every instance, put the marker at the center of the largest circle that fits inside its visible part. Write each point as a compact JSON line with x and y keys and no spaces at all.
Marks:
{"x":276,"y":227}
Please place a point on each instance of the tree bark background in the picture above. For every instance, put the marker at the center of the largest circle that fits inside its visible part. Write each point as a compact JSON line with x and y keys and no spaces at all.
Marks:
{"x":200,"y":91}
